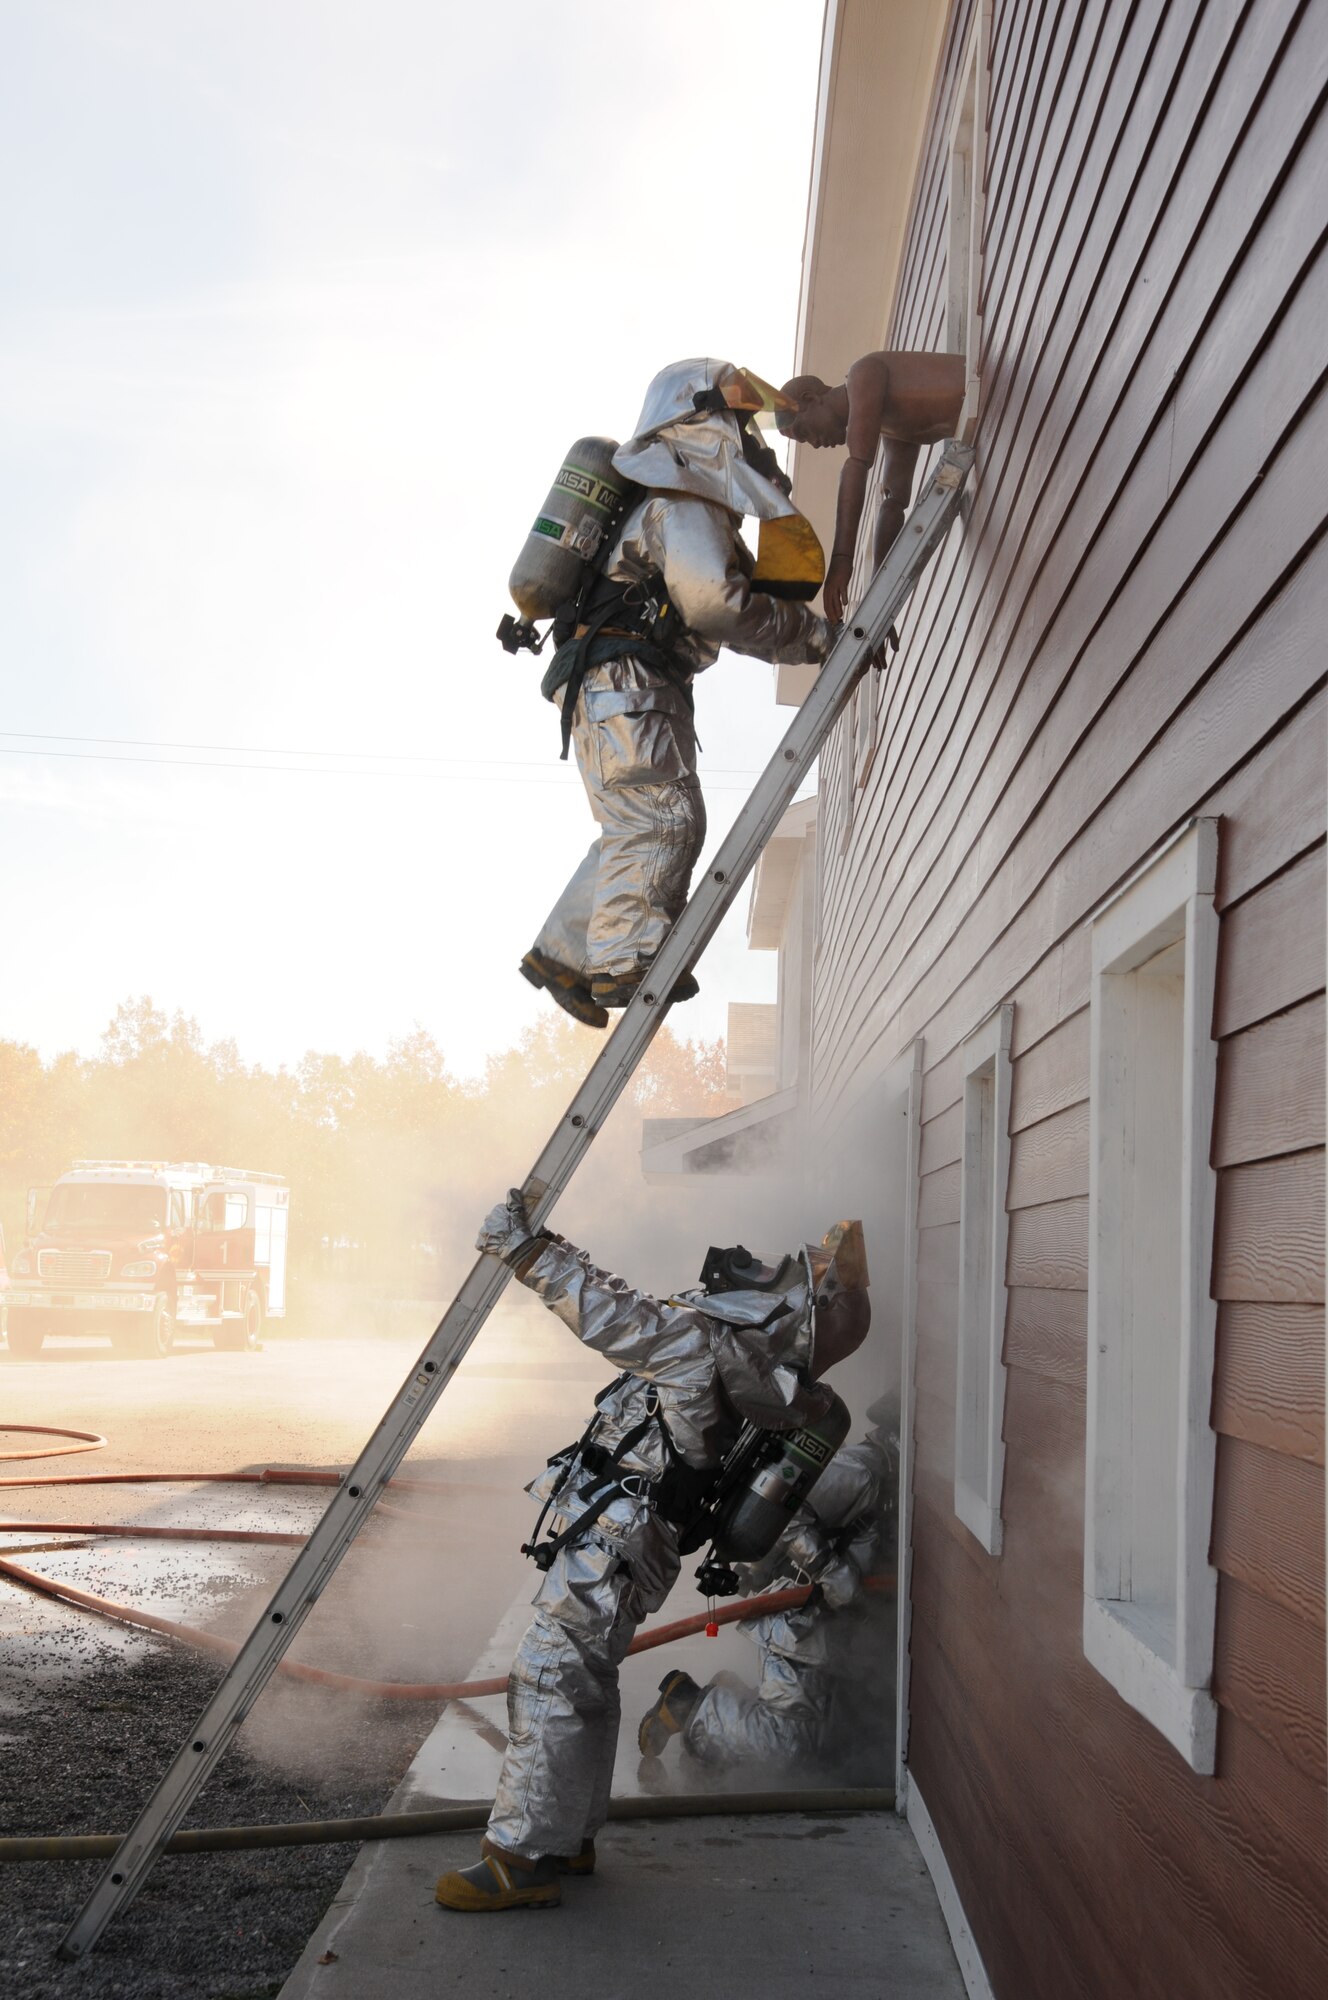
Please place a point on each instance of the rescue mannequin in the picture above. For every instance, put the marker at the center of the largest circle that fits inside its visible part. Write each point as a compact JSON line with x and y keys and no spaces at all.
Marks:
{"x":905,"y":400}
{"x":822,"y":1662}
{"x":696,"y":1368}
{"x":631,"y":701}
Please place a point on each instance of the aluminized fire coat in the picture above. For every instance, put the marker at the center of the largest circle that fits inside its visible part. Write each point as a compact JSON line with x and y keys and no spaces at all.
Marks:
{"x":811,"y":1655}
{"x":632,"y":731}
{"x":703,"y":1375}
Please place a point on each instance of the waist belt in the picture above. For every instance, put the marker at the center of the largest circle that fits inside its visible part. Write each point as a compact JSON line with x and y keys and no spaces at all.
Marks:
{"x":675,"y":1495}
{"x":648,"y":634}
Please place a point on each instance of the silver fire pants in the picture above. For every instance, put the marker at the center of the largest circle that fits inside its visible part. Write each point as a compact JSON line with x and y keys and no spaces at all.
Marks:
{"x":788,"y":1717}
{"x":635,"y":747}
{"x":563,"y":1706}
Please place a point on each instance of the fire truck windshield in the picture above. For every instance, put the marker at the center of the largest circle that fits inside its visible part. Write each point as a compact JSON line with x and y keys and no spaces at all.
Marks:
{"x":115,"y":1205}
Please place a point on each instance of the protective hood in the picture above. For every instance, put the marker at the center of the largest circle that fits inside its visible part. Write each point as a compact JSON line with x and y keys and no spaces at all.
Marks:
{"x":782,"y":1299}
{"x":688,"y":438}
{"x":776,"y":1325}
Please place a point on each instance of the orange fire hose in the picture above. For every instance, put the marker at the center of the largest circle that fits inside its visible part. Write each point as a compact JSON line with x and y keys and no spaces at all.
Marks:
{"x":80,"y":1847}
{"x":191,"y":1635}
{"x":82,"y":1441}
{"x":212,"y":1642}
{"x":134,"y":1532}
{"x":271,"y":1475}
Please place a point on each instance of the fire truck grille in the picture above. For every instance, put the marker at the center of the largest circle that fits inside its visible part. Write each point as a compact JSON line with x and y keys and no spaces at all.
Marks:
{"x":74,"y":1267}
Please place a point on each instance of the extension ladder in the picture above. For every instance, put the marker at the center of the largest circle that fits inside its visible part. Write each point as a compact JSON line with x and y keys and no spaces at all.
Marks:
{"x":354,"y":1499}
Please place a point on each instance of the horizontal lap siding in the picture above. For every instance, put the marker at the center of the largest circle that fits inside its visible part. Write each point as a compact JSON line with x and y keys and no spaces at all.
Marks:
{"x":1127,"y":632}
{"x":996,"y":715}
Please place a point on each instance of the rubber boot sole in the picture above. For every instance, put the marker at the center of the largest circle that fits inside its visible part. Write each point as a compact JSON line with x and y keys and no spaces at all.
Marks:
{"x":660,"y":1723}
{"x":492,"y":1885}
{"x":564,"y":988}
{"x":619,"y":992}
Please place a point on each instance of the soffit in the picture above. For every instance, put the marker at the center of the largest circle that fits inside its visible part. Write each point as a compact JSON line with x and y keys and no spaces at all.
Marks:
{"x":878,"y":63}
{"x":776,"y":872}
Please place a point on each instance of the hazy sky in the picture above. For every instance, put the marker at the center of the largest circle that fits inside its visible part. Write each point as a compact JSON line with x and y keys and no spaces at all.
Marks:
{"x":301,"y":302}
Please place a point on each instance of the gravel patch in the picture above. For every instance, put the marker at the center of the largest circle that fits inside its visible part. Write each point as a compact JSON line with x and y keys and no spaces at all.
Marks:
{"x":79,"y":1753}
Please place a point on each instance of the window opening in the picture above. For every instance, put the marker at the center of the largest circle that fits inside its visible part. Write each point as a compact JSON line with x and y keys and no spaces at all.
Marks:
{"x":1150,"y":1591}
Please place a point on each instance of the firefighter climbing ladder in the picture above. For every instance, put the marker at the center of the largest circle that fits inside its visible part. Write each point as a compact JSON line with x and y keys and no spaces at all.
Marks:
{"x":608,"y":1075}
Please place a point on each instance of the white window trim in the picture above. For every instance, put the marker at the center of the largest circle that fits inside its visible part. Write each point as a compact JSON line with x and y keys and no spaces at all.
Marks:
{"x":981,"y":1329}
{"x":967,"y":151}
{"x":1173,"y":892}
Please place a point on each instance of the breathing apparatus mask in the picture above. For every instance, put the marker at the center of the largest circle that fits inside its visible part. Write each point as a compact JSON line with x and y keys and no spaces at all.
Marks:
{"x":829,"y":1278}
{"x":738,"y":1270}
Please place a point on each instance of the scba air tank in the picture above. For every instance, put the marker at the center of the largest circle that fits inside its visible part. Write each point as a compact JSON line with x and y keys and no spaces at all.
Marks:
{"x":750,"y":1521}
{"x":584,"y":506}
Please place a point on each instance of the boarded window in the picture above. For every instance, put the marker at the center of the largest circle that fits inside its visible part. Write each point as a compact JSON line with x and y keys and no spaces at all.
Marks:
{"x":980,"y":1371}
{"x":1150,"y":1592}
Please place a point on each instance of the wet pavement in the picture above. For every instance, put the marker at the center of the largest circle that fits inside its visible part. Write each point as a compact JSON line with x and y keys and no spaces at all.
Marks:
{"x":767,"y":1907}
{"x":92,"y":1711}
{"x":523,"y":1390}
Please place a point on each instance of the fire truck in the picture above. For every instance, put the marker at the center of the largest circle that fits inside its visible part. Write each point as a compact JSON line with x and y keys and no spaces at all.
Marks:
{"x":143,"y":1249}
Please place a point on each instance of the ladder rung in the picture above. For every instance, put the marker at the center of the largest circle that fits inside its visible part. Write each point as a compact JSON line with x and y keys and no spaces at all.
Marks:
{"x":353,"y":1501}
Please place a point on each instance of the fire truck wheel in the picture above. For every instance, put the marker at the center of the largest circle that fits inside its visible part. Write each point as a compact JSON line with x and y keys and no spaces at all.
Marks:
{"x":243,"y":1335}
{"x":150,"y":1338}
{"x":25,"y":1336}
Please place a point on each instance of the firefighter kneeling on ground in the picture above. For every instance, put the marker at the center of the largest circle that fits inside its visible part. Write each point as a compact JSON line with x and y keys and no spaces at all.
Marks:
{"x":703,"y":1371}
{"x":823,"y":1663}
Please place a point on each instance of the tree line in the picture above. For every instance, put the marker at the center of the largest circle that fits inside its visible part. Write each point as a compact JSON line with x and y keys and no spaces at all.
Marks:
{"x":390,"y":1159}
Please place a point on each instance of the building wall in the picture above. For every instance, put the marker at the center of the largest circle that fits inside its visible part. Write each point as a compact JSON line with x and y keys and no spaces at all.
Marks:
{"x":1129,"y":630}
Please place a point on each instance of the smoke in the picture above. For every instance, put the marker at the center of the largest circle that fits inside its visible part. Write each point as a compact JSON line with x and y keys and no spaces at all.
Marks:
{"x":418,"y":1599}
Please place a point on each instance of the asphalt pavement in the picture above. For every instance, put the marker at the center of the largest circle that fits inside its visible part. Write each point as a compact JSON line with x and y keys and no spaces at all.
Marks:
{"x":764,"y":1907}
{"x":91,"y":1712}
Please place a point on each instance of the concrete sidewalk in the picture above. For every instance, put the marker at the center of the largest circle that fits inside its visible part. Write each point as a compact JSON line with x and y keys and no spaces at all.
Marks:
{"x":742,"y":1906}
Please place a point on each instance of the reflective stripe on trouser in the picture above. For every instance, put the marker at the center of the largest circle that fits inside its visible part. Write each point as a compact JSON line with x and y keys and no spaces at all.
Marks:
{"x":563,"y":1706}
{"x":636,"y":750}
{"x":790,"y":1715}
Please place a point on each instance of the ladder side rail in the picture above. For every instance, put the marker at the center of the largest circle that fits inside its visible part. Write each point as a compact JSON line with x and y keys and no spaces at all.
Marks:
{"x":354,"y":1500}
{"x":773,"y":793}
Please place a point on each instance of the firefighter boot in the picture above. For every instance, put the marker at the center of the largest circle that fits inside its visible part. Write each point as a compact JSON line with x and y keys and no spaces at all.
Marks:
{"x":563,"y":986}
{"x":620,"y":987}
{"x":580,"y":1863}
{"x":678,"y":1696}
{"x":502,"y":1881}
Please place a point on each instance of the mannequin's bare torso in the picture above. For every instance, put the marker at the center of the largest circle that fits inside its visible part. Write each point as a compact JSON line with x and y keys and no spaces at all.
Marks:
{"x":914,"y":398}
{"x":907,"y":399}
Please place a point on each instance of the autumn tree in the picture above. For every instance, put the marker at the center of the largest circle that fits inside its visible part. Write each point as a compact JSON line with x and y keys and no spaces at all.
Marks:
{"x":391,"y":1160}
